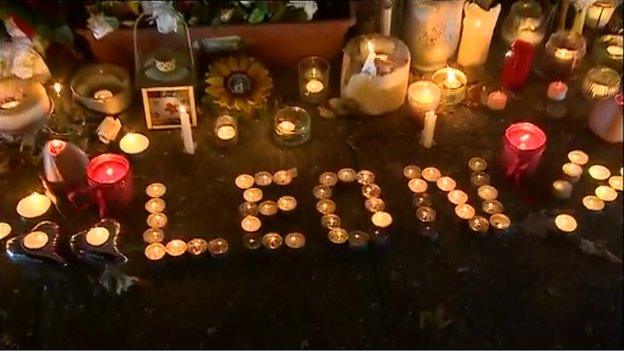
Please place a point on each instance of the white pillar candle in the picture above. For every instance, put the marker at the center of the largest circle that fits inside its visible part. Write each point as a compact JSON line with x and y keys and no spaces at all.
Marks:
{"x":186,"y":131}
{"x":426,"y":139}
{"x":557,"y":91}
{"x":476,"y":34}
{"x":34,"y":205}
{"x":496,"y":100}
{"x":133,"y":143}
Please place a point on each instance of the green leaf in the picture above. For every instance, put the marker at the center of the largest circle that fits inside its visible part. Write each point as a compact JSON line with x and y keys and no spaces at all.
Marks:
{"x":257,"y":16}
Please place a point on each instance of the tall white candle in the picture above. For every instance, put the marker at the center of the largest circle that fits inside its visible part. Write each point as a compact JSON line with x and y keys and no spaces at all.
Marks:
{"x":476,"y":34}
{"x":426,"y":138}
{"x":186,"y":131}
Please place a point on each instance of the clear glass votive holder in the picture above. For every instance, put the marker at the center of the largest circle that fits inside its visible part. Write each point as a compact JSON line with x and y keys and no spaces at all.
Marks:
{"x":313,"y":79}
{"x":601,"y":83}
{"x":563,"y":54}
{"x":291,"y":126}
{"x":609,"y":51}
{"x":226,"y":130}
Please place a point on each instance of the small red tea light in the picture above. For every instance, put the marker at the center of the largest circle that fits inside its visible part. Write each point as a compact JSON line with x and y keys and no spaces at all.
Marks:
{"x":557,"y":91}
{"x":496,"y":100}
{"x":523,"y":146}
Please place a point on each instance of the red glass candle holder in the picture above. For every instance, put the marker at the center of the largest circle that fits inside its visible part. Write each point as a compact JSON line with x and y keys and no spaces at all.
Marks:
{"x":517,"y":65}
{"x":523,"y":146}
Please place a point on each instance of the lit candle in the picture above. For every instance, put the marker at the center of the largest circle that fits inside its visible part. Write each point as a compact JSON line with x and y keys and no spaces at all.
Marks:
{"x":251,"y":224}
{"x":457,"y":197}
{"x":616,"y":182}
{"x":562,"y":189}
{"x":295,"y":240}
{"x":156,"y":190}
{"x":133,"y":143}
{"x":176,"y":247}
{"x":252,"y":195}
{"x":225,"y":127}
{"x":431,"y":174}
{"x":155,"y":251}
{"x":579,"y":157}
{"x":314,"y":86}
{"x":155,"y":205}
{"x":476,"y":34}
{"x":284,"y":177}
{"x":426,"y":214}
{"x":487,"y":192}
{"x":186,"y":131}
{"x":103,"y":94}
{"x":565,"y":223}
{"x":97,"y":236}
{"x":606,"y":193}
{"x":105,"y":170}
{"x":35,"y":240}
{"x":496,"y":100}
{"x":557,"y":91}
{"x":464,"y":211}
{"x":446,"y":183}
{"x":57,"y":87}
{"x":5,"y":230}
{"x":288,"y":203}
{"x":479,"y":224}
{"x":615,"y":51}
{"x":426,"y":138}
{"x":34,"y":205}
{"x":286,"y":127}
{"x":500,"y":221}
{"x":593,"y":203}
{"x":453,"y":83}
{"x":423,"y":96}
{"x":417,"y":185}
{"x":523,"y":146}
{"x":572,"y":170}
{"x":381,"y":219}
{"x":599,"y":13}
{"x":244,"y":181}
{"x":157,"y":220}
{"x":599,"y":172}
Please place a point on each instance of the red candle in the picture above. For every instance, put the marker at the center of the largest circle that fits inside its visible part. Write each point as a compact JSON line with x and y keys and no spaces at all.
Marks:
{"x":517,"y":65}
{"x":523,"y":146}
{"x":111,"y":178}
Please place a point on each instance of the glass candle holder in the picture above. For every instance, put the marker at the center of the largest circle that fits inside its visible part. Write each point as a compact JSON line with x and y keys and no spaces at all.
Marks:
{"x":523,"y":146}
{"x":606,"y":119}
{"x":524,"y":22}
{"x":563,"y":54}
{"x":291,"y":126}
{"x":517,"y":65}
{"x":110,"y":182}
{"x":601,"y":83}
{"x":600,"y":12}
{"x":226,"y":130}
{"x":453,"y":84}
{"x":423,"y":96}
{"x":103,"y":88}
{"x":313,"y":79}
{"x":609,"y":51}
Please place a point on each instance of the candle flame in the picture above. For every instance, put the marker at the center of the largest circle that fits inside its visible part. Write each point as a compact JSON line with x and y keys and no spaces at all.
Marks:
{"x":524,"y":137}
{"x":182,"y":109}
{"x":109,"y":171}
{"x":509,"y":53}
{"x":370,"y":47}
{"x":57,"y":87}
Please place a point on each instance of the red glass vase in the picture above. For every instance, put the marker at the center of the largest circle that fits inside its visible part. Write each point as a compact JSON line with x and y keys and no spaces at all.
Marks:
{"x":517,"y":65}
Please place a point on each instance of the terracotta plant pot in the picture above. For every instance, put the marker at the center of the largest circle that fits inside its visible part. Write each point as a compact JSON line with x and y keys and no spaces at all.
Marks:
{"x":278,"y":44}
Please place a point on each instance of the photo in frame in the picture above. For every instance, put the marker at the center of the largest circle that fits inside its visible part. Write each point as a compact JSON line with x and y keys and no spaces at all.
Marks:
{"x":161,"y":106}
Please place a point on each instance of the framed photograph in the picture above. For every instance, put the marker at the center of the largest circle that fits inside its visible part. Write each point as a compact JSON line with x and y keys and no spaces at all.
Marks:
{"x":161,"y":106}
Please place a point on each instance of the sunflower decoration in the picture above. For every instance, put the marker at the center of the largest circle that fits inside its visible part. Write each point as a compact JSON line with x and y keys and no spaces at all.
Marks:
{"x":238,"y":83}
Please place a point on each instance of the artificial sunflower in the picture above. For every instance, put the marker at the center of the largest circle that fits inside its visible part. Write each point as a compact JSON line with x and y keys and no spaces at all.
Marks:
{"x":240,"y":83}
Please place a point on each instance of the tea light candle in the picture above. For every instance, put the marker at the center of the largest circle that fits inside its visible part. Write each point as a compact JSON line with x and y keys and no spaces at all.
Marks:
{"x":479,"y":224}
{"x":615,"y":51}
{"x":453,"y":84}
{"x":616,"y":182}
{"x":263,"y":178}
{"x":562,"y":189}
{"x":155,"y":205}
{"x":103,"y":94}
{"x":565,"y":223}
{"x":313,"y":78}
{"x":464,"y":211}
{"x":272,"y":241}
{"x":496,"y":100}
{"x":487,"y":192}
{"x":5,"y":230}
{"x":457,"y":197}
{"x":606,"y":193}
{"x":244,"y":181}
{"x":426,"y":138}
{"x":446,"y":183}
{"x":33,"y":205}
{"x":295,"y":240}
{"x":431,"y":174}
{"x":57,"y":87}
{"x":157,"y":220}
{"x":593,"y":203}
{"x":155,"y":251}
{"x":251,"y":224}
{"x":423,"y":96}
{"x":347,"y":175}
{"x":426,"y":214}
{"x":492,"y":207}
{"x":557,"y":91}
{"x":572,"y":170}
{"x":156,"y":190}
{"x":314,"y":86}
{"x":175,"y":247}
{"x":268,"y":208}
{"x":35,"y":240}
{"x":500,"y":221}
{"x":579,"y":157}
{"x":417,"y":185}
{"x":287,"y":203}
{"x":133,"y":143}
{"x":226,"y":127}
{"x":252,"y":195}
{"x":599,"y":172}
{"x":97,"y":236}
{"x":477,"y":164}
{"x":523,"y":146}
{"x":283,"y":177}
{"x":152,"y":235}
{"x":381,"y":219}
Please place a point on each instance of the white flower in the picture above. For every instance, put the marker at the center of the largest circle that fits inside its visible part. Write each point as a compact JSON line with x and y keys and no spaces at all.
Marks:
{"x":99,"y":26}
{"x":27,"y":63}
{"x":245,"y":3}
{"x":163,"y":13}
{"x":310,"y":7}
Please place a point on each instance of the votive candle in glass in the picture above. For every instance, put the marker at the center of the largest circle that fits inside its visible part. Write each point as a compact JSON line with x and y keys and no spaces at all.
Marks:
{"x":423,"y":96}
{"x":601,"y":83}
{"x":453,"y":84}
{"x":291,"y":126}
{"x":226,"y":129}
{"x":517,"y":65}
{"x":111,"y":178}
{"x":563,"y":54}
{"x":313,"y":79}
{"x":523,"y":146}
{"x":608,"y":50}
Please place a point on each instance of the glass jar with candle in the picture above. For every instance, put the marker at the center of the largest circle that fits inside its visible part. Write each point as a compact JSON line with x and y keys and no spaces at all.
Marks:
{"x":563,"y":54}
{"x":524,"y":22}
{"x":453,"y":84}
{"x":600,"y":12}
{"x":601,"y":83}
{"x":313,"y":79}
{"x":103,"y":88}
{"x":609,"y":51}
{"x":606,"y":119}
{"x":375,"y":73}
{"x":523,"y":146}
{"x":291,"y":126}
{"x":226,"y":130}
{"x":423,"y":96}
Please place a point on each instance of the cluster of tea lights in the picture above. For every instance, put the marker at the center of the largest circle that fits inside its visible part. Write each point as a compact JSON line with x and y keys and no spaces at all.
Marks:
{"x":489,"y":194}
{"x":155,"y":235}
{"x":327,"y":207}
{"x":253,"y":207}
{"x":572,"y":171}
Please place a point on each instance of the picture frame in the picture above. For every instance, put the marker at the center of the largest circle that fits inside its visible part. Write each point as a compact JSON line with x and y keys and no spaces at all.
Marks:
{"x":161,"y":106}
